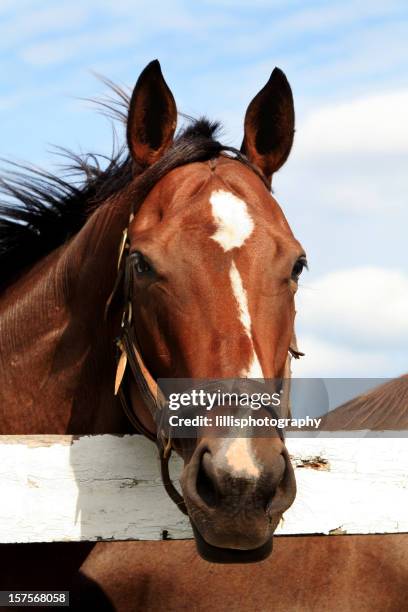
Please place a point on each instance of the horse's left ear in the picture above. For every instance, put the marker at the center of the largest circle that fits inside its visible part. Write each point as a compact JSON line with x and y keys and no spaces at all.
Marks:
{"x":152,"y":116}
{"x":270,"y":125}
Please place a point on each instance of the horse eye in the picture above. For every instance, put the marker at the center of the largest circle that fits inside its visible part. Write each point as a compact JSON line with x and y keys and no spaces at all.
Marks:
{"x":141,"y":265}
{"x":298,"y":268}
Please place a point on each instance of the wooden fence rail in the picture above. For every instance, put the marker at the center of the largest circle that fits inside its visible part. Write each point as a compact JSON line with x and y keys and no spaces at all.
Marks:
{"x":57,"y":488}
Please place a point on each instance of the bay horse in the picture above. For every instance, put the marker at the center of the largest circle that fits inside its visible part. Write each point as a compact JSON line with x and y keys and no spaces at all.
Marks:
{"x":205,"y":280}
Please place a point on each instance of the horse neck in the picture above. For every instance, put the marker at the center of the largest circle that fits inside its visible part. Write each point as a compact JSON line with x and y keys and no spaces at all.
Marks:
{"x":57,"y":351}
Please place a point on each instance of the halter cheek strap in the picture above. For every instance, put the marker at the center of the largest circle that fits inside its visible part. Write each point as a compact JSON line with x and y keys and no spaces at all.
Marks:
{"x":128,"y":353}
{"x":152,"y":398}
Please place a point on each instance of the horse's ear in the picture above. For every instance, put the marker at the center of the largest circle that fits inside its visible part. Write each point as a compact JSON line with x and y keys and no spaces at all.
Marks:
{"x":152,"y":116}
{"x":270,"y":125}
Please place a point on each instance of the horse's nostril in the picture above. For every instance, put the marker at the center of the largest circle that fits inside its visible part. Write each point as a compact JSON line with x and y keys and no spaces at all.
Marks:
{"x":277,"y":494}
{"x":205,"y":486}
{"x":268,"y":500}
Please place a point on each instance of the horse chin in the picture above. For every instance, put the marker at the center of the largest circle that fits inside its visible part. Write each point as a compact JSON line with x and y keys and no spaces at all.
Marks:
{"x":215,"y":554}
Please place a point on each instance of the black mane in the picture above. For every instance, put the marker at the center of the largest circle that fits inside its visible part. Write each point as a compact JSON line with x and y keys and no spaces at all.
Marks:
{"x":40,"y":211}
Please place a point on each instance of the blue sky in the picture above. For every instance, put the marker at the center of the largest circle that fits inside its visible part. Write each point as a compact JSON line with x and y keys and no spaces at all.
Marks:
{"x":344,"y":187}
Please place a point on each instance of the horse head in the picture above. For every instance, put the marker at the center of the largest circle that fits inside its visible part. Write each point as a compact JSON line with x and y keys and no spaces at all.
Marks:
{"x":212,"y":269}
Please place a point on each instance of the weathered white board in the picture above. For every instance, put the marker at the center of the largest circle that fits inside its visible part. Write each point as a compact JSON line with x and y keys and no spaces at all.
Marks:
{"x":56,"y":488}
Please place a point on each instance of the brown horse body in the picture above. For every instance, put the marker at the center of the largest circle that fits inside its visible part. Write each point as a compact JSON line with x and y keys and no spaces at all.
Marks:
{"x":304,"y":574}
{"x":57,"y":353}
{"x":384,"y":408}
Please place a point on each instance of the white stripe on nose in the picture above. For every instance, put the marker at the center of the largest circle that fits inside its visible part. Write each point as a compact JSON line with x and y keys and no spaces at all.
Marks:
{"x":254,"y":370}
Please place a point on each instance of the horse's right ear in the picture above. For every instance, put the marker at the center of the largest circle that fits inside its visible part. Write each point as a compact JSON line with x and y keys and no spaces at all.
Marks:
{"x":152,"y":116}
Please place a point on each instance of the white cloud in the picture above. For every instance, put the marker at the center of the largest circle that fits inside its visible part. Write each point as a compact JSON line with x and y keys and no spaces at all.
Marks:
{"x":28,"y":24}
{"x":122,"y":27}
{"x":361,"y":308}
{"x":372,"y":124}
{"x":360,"y":184}
{"x":325,"y":359}
{"x":64,"y":48}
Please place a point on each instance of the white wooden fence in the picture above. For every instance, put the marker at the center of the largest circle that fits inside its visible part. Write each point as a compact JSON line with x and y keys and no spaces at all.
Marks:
{"x":57,"y":488}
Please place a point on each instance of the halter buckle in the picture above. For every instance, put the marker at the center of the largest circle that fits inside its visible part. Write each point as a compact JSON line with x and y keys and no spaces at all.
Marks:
{"x":122,"y":247}
{"x":121,"y":367}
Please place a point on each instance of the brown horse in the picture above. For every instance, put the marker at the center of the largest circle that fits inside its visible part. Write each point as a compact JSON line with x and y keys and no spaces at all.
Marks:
{"x":383,"y":408}
{"x":209,"y":267}
{"x":304,"y":574}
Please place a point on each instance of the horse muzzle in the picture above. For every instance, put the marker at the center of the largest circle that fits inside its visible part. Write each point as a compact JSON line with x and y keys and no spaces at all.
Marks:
{"x":234,"y":501}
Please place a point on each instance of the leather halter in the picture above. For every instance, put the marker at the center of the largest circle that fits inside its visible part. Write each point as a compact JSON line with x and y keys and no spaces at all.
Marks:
{"x":128,"y":352}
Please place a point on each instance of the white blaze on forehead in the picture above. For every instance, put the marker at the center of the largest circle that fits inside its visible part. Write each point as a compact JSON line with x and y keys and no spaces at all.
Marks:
{"x":234,"y":224}
{"x":240,"y":458}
